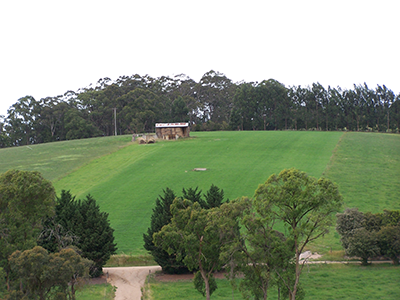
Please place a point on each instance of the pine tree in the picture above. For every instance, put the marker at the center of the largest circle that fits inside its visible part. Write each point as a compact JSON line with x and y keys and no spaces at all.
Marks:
{"x":194,"y":196}
{"x":82,"y":224}
{"x":162,"y":216}
{"x":214,"y":197}
{"x":96,"y":237}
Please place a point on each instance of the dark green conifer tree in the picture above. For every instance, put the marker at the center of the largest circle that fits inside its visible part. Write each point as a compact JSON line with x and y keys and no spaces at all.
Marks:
{"x":162,"y":216}
{"x":214,"y":197}
{"x":96,"y":237}
{"x":82,"y":224}
{"x":194,"y":196}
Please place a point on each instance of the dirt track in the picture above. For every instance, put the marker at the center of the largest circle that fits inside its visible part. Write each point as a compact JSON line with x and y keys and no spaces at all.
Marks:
{"x":128,"y":280}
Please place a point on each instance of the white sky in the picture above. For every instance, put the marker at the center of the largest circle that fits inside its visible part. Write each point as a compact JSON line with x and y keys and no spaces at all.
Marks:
{"x":49,"y":47}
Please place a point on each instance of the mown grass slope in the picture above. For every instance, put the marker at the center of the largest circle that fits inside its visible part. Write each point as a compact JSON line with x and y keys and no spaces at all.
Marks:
{"x":367,"y":168}
{"x":126,"y":183}
{"x":55,"y":160}
{"x":126,"y":178}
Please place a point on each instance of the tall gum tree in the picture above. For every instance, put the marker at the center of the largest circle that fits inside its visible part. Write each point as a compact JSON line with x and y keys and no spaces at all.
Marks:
{"x":306,"y":207}
{"x":26,"y":198}
{"x":194,"y":235}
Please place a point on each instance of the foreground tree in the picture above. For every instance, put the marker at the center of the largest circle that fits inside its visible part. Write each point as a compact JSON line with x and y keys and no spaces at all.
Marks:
{"x":305,"y":205}
{"x":40,"y":272}
{"x":162,"y":216}
{"x":26,"y":198}
{"x":194,"y":236}
{"x":257,"y":252}
{"x":86,"y":227}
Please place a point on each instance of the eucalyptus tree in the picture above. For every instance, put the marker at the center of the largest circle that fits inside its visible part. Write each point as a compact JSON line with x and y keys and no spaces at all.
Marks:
{"x":50,"y":119}
{"x":41,"y":273}
{"x":26,"y":199}
{"x":196,"y":236}
{"x":244,"y":108}
{"x":308,"y":107}
{"x":395,"y":113}
{"x":306,"y":207}
{"x":336,"y":98}
{"x":276,"y":101}
{"x":386,"y":98}
{"x":257,"y":252}
{"x":215,"y":93}
{"x":179,"y":111}
{"x":98,"y":108}
{"x":192,"y":240}
{"x":297,"y":95}
{"x":4,"y":137}
{"x":139,"y":111}
{"x":77,"y":125}
{"x":319,"y":94}
{"x":21,"y":121}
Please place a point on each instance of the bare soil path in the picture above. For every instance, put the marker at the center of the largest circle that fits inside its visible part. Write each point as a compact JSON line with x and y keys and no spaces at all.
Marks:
{"x":128,"y":280}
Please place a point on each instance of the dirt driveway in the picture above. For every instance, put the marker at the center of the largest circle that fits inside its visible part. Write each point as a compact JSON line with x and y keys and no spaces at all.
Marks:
{"x":129,"y":280}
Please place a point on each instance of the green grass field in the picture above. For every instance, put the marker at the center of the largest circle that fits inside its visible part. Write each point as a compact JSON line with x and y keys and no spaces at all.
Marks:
{"x":96,"y":292}
{"x":55,"y":160}
{"x":126,"y":178}
{"x":367,"y":168}
{"x":126,"y":183}
{"x":328,"y":282}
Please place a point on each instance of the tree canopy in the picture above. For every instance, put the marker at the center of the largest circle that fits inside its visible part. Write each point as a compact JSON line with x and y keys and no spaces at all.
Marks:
{"x":26,"y":199}
{"x":40,"y":272}
{"x":82,"y":224}
{"x":368,"y":235}
{"x":305,"y":205}
{"x":162,"y":216}
{"x":194,"y":237}
{"x":242,"y":234}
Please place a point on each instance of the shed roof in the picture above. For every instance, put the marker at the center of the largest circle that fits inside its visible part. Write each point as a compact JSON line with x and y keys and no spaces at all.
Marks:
{"x":178,"y":124}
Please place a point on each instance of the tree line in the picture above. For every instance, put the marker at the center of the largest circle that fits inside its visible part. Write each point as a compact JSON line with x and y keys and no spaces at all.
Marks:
{"x":48,"y":244}
{"x":213,"y":103}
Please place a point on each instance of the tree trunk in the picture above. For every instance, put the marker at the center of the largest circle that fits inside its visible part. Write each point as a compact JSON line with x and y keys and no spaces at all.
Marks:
{"x":358,"y":123}
{"x":292,"y":294}
{"x":207,"y":284}
{"x":326,"y":124}
{"x":73,"y":289}
{"x":388,"y":123}
{"x":364,"y":261}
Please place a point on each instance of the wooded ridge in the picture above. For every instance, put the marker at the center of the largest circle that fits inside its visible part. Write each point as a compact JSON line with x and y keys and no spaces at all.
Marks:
{"x":133,"y":104}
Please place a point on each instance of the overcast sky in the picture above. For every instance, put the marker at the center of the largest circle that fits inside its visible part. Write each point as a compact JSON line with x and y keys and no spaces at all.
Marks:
{"x":50,"y":47}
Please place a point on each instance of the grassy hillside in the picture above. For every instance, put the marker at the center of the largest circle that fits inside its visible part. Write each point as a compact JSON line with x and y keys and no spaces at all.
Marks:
{"x":367,"y":168}
{"x":126,"y":183}
{"x":55,"y":160}
{"x":126,"y":178}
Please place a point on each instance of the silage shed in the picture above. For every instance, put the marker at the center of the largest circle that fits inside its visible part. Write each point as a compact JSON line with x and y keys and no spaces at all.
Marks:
{"x":168,"y":131}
